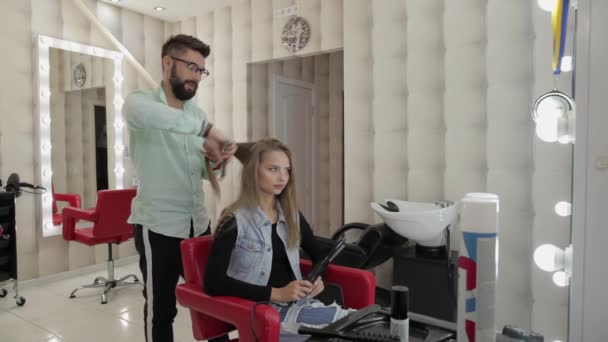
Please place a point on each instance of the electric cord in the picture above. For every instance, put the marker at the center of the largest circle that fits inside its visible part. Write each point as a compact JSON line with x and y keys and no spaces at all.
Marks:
{"x":255,"y":336}
{"x":37,"y":191}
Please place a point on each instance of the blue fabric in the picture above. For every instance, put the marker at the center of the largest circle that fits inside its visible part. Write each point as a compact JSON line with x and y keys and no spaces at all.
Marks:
{"x":316,"y":315}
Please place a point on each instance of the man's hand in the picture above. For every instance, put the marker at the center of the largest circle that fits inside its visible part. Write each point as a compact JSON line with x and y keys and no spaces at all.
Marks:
{"x":217,"y":147}
{"x":295,"y":290}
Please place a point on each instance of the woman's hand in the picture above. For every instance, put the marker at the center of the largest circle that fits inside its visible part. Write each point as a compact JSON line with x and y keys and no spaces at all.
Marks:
{"x":295,"y":290}
{"x":317,"y":287}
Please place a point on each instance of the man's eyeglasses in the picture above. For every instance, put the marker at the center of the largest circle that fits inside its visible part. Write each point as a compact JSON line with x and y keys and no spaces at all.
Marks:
{"x":193,"y":67}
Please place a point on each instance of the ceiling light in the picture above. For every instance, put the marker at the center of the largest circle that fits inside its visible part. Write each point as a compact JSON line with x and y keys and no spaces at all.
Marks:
{"x":159,"y":9}
{"x":115,"y":0}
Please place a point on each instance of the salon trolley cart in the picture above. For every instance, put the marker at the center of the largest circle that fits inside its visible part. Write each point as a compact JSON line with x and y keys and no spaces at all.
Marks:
{"x":8,"y":246}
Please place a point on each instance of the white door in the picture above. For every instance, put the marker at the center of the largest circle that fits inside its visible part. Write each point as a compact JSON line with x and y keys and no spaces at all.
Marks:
{"x":293,"y":122}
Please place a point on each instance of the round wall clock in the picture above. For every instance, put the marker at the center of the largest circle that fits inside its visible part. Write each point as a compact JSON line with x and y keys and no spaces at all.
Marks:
{"x":296,"y":34}
{"x":80,"y":75}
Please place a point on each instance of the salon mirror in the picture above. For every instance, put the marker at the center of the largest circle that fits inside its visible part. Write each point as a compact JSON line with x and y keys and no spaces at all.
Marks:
{"x":80,"y":124}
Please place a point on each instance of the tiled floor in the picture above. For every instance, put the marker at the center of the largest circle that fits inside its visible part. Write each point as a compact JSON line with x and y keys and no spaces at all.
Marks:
{"x":50,"y":316}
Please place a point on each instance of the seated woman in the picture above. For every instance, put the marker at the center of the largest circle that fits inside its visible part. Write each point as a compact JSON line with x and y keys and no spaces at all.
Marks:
{"x":256,"y":251}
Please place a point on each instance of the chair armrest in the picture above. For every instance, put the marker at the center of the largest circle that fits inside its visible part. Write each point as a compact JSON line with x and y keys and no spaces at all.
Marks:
{"x":233,"y":310}
{"x":69,"y":217}
{"x":72,"y":199}
{"x":358,"y":286}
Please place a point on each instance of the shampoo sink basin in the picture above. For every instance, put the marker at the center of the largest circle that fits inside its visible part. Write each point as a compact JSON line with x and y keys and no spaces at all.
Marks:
{"x":419,"y":221}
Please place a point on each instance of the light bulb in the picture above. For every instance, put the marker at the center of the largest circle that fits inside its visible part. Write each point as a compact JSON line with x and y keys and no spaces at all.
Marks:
{"x":118,"y":101}
{"x":563,"y":209}
{"x":549,"y":113}
{"x":47,"y":173}
{"x":117,"y":78}
{"x":43,"y":67}
{"x":46,"y":120}
{"x":119,"y":124}
{"x":43,"y":42}
{"x":547,"y":5}
{"x":549,"y":258}
{"x":119,"y":147}
{"x":561,"y":279}
{"x":45,"y":93}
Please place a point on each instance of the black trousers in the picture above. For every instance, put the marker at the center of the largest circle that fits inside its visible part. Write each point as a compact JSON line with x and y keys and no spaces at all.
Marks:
{"x":160,"y":262}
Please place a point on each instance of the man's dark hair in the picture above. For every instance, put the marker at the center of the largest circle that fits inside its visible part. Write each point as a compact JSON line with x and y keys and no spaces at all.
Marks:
{"x":181,"y":42}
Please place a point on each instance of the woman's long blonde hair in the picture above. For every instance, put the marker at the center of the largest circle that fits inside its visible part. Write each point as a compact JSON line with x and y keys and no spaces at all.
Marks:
{"x":251,"y":154}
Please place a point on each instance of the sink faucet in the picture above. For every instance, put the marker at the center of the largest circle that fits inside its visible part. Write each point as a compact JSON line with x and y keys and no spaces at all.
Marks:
{"x":444,"y":203}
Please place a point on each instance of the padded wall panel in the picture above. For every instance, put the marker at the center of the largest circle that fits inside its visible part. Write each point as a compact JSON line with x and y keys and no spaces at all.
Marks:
{"x":258,"y":97}
{"x":222,"y":41}
{"x":336,"y":142}
{"x":17,"y":126}
{"x":509,"y":158}
{"x":322,"y":157}
{"x":187,"y":26}
{"x":307,"y":69}
{"x":389,"y":101}
{"x":110,"y":16}
{"x":241,"y":55}
{"x":261,"y":30}
{"x":424,"y":82}
{"x":153,"y":43}
{"x":331,"y":25}
{"x":358,"y":129}
{"x":205,"y":96}
{"x":292,"y":68}
{"x":274,"y":68}
{"x":464,"y":100}
{"x":389,"y":116}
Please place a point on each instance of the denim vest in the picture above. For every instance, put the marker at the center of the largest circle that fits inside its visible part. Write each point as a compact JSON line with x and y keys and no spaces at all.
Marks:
{"x":251,"y":259}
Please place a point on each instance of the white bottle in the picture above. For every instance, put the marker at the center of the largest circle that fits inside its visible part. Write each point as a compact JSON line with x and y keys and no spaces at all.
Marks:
{"x":400,"y":322}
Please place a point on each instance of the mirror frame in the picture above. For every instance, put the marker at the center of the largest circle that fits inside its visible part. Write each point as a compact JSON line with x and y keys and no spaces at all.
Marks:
{"x":43,"y":123}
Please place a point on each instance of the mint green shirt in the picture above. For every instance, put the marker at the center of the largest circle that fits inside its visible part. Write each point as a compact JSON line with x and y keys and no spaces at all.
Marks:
{"x":166,"y":150}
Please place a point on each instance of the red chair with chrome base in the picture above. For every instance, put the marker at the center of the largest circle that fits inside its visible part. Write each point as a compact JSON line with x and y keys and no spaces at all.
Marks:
{"x":109,"y":226}
{"x":217,"y":316}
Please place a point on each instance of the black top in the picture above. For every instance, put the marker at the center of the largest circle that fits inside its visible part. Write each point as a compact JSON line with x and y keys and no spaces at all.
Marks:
{"x":217,"y":281}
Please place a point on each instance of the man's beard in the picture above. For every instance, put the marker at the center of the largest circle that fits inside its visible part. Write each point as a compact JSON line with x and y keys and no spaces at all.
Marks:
{"x":179,"y":87}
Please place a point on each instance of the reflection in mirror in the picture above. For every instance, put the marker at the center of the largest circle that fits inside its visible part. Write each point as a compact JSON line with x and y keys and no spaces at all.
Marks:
{"x":79,"y":127}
